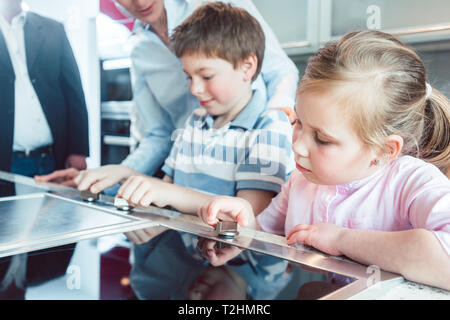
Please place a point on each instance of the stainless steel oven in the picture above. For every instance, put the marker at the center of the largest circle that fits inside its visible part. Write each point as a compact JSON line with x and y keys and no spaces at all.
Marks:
{"x":115,"y":131}
{"x":116,"y":95}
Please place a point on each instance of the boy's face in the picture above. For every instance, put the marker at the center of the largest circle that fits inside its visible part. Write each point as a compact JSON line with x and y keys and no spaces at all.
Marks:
{"x":327,"y":149}
{"x":220,"y":88}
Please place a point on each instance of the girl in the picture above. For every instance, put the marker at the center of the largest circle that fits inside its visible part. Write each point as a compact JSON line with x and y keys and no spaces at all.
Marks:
{"x":371,"y":144}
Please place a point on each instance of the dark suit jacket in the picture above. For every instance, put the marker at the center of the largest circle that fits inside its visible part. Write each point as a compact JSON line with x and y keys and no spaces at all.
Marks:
{"x":55,"y":77}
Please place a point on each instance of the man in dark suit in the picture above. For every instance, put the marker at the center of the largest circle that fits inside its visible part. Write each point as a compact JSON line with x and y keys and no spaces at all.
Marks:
{"x":43,"y":122}
{"x":54,"y":76}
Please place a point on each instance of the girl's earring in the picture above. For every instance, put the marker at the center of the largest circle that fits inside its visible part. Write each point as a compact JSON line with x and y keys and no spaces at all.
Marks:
{"x":374,"y":162}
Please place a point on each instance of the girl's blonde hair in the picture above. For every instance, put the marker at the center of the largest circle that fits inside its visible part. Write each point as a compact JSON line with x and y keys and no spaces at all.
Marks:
{"x":381,"y":83}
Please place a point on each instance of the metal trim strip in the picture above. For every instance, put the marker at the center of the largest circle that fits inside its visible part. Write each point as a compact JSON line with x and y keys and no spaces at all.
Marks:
{"x":247,"y":239}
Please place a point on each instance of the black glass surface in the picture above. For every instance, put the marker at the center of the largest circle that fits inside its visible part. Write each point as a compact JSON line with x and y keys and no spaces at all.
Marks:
{"x":8,"y":189}
{"x":170,"y":266}
{"x":88,"y":271}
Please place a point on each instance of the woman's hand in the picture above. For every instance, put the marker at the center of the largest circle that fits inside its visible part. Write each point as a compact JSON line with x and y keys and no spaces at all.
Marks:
{"x":227,"y":209}
{"x":290,"y":113}
{"x":98,"y":179}
{"x":143,"y":191}
{"x":64,"y":177}
{"x":323,"y":236}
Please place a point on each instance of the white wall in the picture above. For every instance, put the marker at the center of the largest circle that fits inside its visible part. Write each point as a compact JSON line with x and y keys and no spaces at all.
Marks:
{"x":79,"y":18}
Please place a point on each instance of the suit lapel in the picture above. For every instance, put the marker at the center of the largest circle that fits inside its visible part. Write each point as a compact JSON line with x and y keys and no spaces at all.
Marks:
{"x":4,"y":53}
{"x":34,"y":38}
{"x":7,"y":97}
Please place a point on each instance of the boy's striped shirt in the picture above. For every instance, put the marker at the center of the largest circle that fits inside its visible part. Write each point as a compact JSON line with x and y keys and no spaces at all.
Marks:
{"x":251,"y":152}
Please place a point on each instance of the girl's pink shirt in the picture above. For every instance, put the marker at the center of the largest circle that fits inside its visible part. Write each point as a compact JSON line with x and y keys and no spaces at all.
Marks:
{"x":407,"y":193}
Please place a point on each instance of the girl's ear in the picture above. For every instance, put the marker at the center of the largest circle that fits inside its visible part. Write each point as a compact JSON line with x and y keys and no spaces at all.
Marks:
{"x":394,"y":145}
{"x":248,"y":66}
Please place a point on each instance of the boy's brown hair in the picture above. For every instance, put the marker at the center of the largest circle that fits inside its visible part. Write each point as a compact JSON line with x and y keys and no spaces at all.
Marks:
{"x":220,"y":30}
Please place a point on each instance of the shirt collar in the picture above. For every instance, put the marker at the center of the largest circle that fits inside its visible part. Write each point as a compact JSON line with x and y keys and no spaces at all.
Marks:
{"x":3,"y":22}
{"x":20,"y":17}
{"x":354,"y":185}
{"x":248,"y":117}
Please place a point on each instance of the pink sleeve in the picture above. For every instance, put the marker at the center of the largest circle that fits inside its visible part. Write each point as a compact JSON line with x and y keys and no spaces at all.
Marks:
{"x":273,"y":218}
{"x":430,"y":208}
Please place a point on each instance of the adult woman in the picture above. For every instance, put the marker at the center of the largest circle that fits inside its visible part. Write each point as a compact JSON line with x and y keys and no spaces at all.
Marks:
{"x":161,"y":90}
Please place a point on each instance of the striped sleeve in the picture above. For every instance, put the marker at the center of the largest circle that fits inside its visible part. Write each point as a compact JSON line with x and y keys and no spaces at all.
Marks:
{"x":177,"y":138}
{"x":169,"y":164}
{"x":264,"y":166}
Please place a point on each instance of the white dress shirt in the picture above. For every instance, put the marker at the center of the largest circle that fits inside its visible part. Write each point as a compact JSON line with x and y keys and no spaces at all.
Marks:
{"x":31,"y":129}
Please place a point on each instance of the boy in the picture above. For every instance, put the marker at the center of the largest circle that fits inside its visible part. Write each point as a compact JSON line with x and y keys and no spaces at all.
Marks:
{"x":232,"y":144}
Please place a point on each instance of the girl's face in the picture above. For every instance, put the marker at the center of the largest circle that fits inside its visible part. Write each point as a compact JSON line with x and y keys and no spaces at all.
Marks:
{"x":327,"y":150}
{"x":220,"y":88}
{"x":147,"y":11}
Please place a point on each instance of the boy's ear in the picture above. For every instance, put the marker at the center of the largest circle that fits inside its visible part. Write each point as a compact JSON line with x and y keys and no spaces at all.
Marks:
{"x":394,"y":145}
{"x":249,"y":66}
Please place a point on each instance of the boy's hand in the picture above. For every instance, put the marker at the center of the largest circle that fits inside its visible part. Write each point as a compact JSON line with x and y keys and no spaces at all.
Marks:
{"x":322,"y":236}
{"x":227,"y":209}
{"x":143,"y":191}
{"x":98,"y":179}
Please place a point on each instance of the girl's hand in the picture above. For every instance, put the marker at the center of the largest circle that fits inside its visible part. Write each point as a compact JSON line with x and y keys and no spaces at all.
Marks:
{"x":322,"y":236}
{"x":227,"y":209}
{"x":143,"y":191}
{"x":215,"y":255}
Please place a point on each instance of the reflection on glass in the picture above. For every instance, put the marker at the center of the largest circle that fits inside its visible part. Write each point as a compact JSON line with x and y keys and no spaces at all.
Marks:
{"x":19,"y":272}
{"x":163,"y":268}
{"x":171,"y":267}
{"x":35,"y":219}
{"x":8,"y":189}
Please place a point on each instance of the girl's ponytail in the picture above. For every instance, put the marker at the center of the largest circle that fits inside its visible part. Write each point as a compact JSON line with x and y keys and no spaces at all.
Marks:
{"x":382,"y":83}
{"x":435,"y":143}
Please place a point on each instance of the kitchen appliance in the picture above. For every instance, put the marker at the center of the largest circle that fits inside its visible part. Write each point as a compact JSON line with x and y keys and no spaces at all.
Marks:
{"x":116,"y":106}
